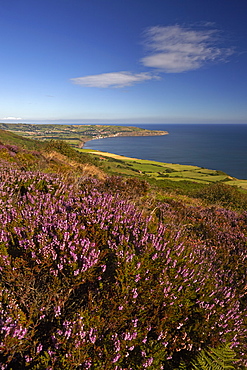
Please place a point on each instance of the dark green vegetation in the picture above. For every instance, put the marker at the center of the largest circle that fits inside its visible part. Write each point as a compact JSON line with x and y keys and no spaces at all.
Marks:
{"x":75,"y":135}
{"x":166,"y":175}
{"x":106,"y":267}
{"x":14,"y":139}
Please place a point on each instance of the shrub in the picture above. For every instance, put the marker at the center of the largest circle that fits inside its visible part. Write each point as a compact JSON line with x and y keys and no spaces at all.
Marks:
{"x":224,"y":195}
{"x":65,"y":149}
{"x":88,"y":282}
{"x":128,"y":187}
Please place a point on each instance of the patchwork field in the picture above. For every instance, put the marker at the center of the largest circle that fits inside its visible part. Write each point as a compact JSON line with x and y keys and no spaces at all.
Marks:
{"x":102,"y":254}
{"x":75,"y":135}
{"x":158,"y":170}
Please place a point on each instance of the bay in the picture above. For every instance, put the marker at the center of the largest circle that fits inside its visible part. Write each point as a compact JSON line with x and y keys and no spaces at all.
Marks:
{"x":214,"y":146}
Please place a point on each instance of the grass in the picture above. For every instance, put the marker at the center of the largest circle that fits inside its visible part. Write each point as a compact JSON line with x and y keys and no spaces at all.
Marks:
{"x":164,"y":177}
{"x":155,"y":172}
{"x":152,"y":274}
{"x":75,"y":135}
{"x":12,"y":138}
{"x":162,"y":172}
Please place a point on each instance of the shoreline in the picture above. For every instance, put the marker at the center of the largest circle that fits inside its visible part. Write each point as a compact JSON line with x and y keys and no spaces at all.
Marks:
{"x":178,"y":172}
{"x":77,"y":135}
{"x":141,"y":134}
{"x":221,"y":147}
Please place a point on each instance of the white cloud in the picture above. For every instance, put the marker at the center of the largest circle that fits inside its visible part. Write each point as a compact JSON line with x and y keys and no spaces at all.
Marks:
{"x":114,"y":79}
{"x":172,"y":49}
{"x":11,"y":118}
{"x":176,"y":49}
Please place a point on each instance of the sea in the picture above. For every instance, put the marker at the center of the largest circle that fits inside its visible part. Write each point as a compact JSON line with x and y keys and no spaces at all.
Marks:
{"x":214,"y":146}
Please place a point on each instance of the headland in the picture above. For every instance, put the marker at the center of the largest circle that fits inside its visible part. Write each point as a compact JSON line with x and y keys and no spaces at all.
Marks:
{"x":76,"y":135}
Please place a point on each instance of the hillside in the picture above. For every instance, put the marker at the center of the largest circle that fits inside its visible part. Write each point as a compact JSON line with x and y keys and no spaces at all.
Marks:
{"x":102,"y":270}
{"x":12,"y":138}
{"x":165,"y":173}
{"x":75,"y":135}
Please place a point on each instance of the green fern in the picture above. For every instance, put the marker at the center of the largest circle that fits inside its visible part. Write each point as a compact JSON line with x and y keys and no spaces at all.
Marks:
{"x":220,"y":358}
{"x":182,"y":366}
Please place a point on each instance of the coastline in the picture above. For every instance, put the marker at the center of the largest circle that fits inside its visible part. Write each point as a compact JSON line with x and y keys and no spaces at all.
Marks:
{"x":170,"y":171}
{"x":125,"y":134}
{"x":219,"y":147}
{"x":77,"y":135}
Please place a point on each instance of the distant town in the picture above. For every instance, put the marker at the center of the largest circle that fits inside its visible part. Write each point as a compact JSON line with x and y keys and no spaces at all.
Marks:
{"x":75,"y":135}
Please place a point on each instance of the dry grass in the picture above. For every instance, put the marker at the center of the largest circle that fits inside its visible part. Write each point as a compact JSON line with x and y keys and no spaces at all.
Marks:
{"x":73,"y":166}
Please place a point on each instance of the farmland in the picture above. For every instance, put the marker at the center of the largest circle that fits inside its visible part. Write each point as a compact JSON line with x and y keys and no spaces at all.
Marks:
{"x":106,"y":263}
{"x":159,"y":171}
{"x":75,"y":135}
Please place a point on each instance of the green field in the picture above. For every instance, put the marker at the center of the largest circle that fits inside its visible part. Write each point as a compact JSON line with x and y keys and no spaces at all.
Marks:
{"x":168,"y":174}
{"x":117,"y":164}
{"x":75,"y":135}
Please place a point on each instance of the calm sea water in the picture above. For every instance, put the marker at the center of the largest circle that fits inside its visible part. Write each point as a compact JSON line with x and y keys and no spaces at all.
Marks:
{"x":219,"y":147}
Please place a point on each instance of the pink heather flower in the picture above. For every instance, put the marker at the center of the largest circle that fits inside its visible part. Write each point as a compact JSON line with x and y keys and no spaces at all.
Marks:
{"x":60,"y":266}
{"x":28,"y":359}
{"x":92,"y":336}
{"x":155,"y":256}
{"x":67,"y":334}
{"x":148,"y":362}
{"x":135,"y":322}
{"x":116,"y":358}
{"x":87,"y":364}
{"x":160,"y":336}
{"x":135,"y":295}
{"x":57,"y":311}
{"x":39,"y":348}
{"x":137,"y":278}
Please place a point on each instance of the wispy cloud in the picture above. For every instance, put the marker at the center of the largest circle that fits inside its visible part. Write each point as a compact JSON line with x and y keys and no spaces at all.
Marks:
{"x":11,"y":118}
{"x":114,"y":79}
{"x":171,"y":49}
{"x":176,"y":49}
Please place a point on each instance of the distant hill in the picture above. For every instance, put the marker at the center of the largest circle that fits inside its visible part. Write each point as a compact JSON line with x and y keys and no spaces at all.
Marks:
{"x":118,"y":263}
{"x":50,"y":156}
{"x":60,"y":156}
{"x":8,"y":137}
{"x":76,"y":135}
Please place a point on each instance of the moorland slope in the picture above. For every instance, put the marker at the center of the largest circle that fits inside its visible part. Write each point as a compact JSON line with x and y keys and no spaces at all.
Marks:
{"x":103,"y":270}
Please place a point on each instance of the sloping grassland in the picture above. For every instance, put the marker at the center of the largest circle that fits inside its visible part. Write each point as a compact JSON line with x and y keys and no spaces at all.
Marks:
{"x":107,"y":264}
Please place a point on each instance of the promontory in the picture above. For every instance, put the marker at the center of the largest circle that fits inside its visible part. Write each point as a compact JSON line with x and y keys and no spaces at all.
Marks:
{"x":76,"y":134}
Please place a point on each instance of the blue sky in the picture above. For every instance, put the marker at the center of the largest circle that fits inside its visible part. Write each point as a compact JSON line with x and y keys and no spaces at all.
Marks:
{"x":123,"y":61}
